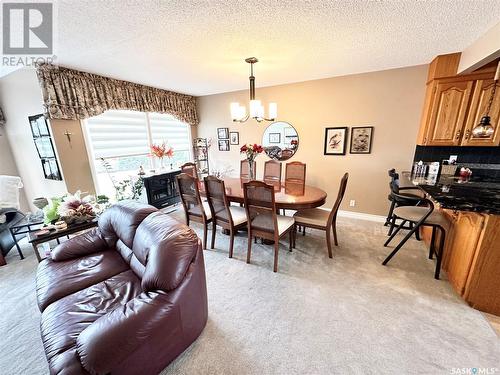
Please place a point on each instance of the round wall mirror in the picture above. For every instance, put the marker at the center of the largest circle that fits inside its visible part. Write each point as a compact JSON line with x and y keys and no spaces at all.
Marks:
{"x":280,"y":141}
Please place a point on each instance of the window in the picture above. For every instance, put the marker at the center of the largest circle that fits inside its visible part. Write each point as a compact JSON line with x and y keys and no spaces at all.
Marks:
{"x":123,"y":140}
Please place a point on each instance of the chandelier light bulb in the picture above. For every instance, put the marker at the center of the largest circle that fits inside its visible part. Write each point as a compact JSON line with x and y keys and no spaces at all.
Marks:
{"x":273,"y":111}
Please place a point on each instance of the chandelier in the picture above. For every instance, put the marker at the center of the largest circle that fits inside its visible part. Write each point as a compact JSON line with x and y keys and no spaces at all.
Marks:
{"x":256,"y":109}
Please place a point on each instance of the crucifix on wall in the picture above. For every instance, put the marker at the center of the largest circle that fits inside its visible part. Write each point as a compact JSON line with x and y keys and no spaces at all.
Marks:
{"x":68,"y":135}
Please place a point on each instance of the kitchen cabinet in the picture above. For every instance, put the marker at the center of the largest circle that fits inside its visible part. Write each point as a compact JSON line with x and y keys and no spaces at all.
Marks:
{"x":479,"y":102}
{"x":454,"y":105}
{"x":463,"y":238}
{"x":471,"y":257}
{"x":448,"y":112}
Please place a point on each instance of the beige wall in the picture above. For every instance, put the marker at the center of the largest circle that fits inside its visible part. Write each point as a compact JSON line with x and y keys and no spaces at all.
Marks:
{"x":481,"y":52}
{"x":20,"y":97}
{"x":73,"y":155}
{"x":390,"y":100}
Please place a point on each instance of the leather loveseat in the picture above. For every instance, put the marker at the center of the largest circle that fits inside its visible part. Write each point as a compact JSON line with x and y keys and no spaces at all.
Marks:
{"x":124,"y":298}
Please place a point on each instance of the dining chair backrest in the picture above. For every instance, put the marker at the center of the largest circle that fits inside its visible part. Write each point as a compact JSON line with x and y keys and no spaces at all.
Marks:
{"x":295,"y":171}
{"x":190,"y":195}
{"x":217,"y":200}
{"x":245,"y":169}
{"x":190,"y":169}
{"x":272,"y":171}
{"x":260,"y":206}
{"x":338,"y":201}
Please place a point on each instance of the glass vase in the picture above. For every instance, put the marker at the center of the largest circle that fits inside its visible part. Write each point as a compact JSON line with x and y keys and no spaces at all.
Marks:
{"x":251,"y":170}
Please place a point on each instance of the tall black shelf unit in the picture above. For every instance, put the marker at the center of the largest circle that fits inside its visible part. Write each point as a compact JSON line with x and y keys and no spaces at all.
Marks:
{"x":200,"y":152}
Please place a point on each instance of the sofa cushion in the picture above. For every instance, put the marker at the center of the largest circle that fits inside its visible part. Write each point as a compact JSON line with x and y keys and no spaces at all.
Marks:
{"x":64,"y":320}
{"x":167,"y":248}
{"x":120,"y":221}
{"x":55,"y":280}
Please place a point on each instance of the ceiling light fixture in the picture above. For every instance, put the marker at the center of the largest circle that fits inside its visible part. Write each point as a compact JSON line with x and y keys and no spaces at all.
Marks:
{"x":239,"y":112}
{"x":484,"y":128}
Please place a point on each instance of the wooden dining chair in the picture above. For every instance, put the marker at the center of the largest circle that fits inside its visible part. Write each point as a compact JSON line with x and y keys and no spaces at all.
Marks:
{"x":295,"y":172}
{"x":295,"y":175}
{"x":190,"y":169}
{"x":223,"y":214}
{"x":245,"y":169}
{"x":318,"y":218}
{"x":262,"y":220}
{"x":272,"y":171}
{"x":194,"y":208}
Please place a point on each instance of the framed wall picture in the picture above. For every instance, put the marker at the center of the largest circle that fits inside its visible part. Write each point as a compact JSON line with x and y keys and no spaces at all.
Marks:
{"x":223,"y":144}
{"x":274,"y":137}
{"x":45,"y":148}
{"x":335,"y":141}
{"x":234,"y":138}
{"x":222,"y":133}
{"x":361,"y":139}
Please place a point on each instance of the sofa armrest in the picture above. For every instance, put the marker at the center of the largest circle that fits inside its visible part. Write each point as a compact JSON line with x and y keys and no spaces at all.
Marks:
{"x":81,"y":245}
{"x":114,"y":337}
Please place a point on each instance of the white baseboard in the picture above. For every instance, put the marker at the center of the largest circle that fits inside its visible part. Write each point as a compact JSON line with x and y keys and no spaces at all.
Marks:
{"x":361,"y":216}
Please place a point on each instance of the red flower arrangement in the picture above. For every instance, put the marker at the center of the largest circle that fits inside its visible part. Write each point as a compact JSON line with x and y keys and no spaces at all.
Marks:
{"x":251,"y":151}
{"x":161,"y":150}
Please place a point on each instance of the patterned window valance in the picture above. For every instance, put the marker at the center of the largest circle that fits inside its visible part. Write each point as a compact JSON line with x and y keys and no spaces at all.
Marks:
{"x":72,"y":95}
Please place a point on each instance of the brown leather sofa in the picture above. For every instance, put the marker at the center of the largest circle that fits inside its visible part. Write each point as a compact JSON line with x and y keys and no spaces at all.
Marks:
{"x":124,"y":298}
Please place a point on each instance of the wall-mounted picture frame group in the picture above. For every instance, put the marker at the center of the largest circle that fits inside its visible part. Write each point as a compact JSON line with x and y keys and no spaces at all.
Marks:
{"x":44,"y":147}
{"x":335,"y":140}
{"x":234,"y":138}
{"x":361,"y":140}
{"x":222,"y":133}
{"x":223,"y":144}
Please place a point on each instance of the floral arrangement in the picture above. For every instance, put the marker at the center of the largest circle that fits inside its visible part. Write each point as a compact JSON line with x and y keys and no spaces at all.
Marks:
{"x":161,"y":150}
{"x":50,"y":211}
{"x":74,"y":208}
{"x":251,"y":151}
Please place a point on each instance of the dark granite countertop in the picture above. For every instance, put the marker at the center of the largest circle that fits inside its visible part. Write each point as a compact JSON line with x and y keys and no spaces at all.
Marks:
{"x":478,"y":194}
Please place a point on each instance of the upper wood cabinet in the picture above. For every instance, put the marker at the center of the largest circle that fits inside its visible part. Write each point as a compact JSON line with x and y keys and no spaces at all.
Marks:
{"x":448,"y":113}
{"x":454,"y":105}
{"x":479,"y":103}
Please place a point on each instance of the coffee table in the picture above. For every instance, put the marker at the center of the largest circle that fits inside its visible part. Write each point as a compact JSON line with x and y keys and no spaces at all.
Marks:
{"x":35,"y":240}
{"x":27,"y":224}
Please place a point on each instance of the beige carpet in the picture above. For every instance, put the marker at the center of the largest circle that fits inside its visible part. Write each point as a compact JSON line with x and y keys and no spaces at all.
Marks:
{"x":347,"y":315}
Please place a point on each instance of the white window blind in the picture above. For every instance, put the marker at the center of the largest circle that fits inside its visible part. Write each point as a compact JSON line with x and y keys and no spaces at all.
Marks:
{"x":166,"y":128}
{"x":118,"y":133}
{"x":124,"y":139}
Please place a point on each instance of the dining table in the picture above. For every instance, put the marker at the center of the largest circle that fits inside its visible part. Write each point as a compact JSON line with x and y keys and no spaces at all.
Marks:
{"x":288,"y":195}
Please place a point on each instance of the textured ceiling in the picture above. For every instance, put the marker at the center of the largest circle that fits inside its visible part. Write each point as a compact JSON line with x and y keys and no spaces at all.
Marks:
{"x":198,"y":47}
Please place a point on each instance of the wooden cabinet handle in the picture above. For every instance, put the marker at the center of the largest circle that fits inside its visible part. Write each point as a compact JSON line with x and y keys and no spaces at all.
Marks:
{"x":467,"y":134}
{"x":457,"y":136}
